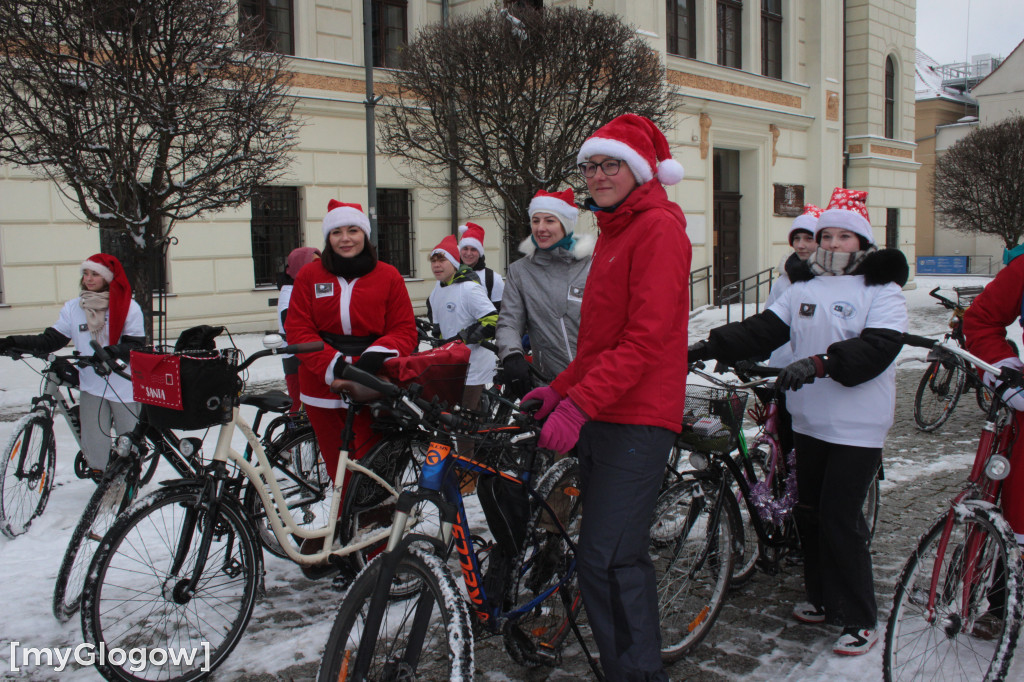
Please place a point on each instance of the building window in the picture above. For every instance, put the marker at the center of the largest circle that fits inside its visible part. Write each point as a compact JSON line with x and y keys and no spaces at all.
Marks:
{"x":275,"y":231}
{"x":730,"y":33}
{"x":890,"y":98}
{"x":394,"y":229}
{"x":682,"y":28}
{"x":892,"y":228}
{"x":771,"y":38}
{"x":275,"y":23}
{"x":389,"y":32}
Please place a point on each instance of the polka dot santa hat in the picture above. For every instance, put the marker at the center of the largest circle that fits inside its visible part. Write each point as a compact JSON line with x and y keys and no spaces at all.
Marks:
{"x":847,"y":210}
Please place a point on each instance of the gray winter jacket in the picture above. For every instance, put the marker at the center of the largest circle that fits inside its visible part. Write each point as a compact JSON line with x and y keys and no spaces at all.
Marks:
{"x":542,"y":297}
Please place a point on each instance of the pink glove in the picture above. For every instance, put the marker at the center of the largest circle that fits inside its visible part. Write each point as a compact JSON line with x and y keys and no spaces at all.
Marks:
{"x":562,"y":429}
{"x":548,"y":398}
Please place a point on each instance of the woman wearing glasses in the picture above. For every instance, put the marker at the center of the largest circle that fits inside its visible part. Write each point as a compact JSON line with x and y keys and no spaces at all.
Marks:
{"x":622,"y":396}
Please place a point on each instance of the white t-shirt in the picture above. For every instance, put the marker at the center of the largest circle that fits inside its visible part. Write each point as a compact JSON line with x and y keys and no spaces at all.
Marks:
{"x":782,"y":356}
{"x":455,"y":307}
{"x":282,"y":305}
{"x":821,"y":312}
{"x":72,"y":324}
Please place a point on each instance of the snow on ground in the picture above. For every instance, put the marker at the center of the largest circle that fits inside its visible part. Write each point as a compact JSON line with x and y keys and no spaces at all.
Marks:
{"x":28,"y":564}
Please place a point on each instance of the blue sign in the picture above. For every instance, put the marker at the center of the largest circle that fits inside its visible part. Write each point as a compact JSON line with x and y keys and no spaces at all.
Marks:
{"x":942,"y":265}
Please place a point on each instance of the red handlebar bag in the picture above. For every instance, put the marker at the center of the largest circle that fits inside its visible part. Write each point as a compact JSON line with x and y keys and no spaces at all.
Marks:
{"x":440,"y":371}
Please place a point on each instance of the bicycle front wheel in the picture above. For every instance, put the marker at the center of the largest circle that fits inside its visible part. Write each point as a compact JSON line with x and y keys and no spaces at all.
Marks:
{"x":112,"y":495}
{"x":137,"y":591}
{"x":693,"y":555}
{"x":27,"y":470}
{"x":423,"y":636}
{"x":938,"y":393}
{"x":970,"y":631}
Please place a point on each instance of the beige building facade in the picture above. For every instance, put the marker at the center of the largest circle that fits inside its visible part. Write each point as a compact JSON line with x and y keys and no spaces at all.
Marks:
{"x":767,"y":103}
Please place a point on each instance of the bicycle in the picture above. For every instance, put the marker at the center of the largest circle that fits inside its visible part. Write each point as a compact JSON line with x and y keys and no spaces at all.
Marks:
{"x":959,"y":601}
{"x":699,"y":554}
{"x":386,"y":633}
{"x":184,"y":563}
{"x":948,"y":377}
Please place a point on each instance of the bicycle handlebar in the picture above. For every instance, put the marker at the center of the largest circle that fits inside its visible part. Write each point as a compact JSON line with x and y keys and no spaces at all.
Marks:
{"x":943,"y":300}
{"x":1004,"y":374}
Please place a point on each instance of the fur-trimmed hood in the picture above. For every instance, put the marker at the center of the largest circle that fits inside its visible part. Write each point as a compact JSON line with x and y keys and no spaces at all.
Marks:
{"x":583,"y":248}
{"x":879,"y":267}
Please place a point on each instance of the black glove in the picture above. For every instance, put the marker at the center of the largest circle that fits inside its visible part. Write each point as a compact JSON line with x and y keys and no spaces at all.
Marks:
{"x":339,"y":367}
{"x":372,"y":362}
{"x":517,"y":374}
{"x":796,"y":374}
{"x":475,"y":333}
{"x":699,"y":351}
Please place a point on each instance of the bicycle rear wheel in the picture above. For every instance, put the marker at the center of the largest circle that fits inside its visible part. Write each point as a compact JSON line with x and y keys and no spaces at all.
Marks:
{"x":536,"y":636}
{"x":938,"y":393}
{"x":873,"y":502}
{"x":26,"y":473}
{"x":951,"y":642}
{"x":114,"y":492}
{"x":424,"y":636}
{"x":135,"y":596}
{"x":693,"y":557}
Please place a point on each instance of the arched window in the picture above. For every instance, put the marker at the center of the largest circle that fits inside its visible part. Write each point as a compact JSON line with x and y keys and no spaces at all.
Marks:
{"x":890,"y":98}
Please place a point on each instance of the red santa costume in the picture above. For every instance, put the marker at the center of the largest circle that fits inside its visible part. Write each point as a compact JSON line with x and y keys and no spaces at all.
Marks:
{"x":361,"y":315}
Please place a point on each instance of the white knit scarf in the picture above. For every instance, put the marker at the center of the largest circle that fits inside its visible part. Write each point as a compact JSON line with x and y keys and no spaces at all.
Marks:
{"x":824,"y":262}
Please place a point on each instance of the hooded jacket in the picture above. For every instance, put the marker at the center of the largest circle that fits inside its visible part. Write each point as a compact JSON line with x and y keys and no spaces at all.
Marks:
{"x":630,"y":365}
{"x":543,"y":295}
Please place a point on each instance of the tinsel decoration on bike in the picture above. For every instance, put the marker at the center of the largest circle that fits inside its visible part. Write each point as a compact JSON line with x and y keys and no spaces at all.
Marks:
{"x":776,"y":509}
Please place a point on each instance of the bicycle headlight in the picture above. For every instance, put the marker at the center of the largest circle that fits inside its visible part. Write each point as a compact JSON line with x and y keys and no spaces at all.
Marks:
{"x":699,"y":461}
{"x":997,"y":468}
{"x":190,"y":446}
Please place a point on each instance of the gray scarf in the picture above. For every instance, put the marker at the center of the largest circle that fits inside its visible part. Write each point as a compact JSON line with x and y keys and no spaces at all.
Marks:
{"x":95,"y":305}
{"x":823,"y":262}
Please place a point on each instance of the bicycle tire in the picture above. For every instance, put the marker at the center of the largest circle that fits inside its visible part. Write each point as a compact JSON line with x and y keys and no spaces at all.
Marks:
{"x":693,"y":556}
{"x":24,"y":493}
{"x":131,"y":567}
{"x":745,"y":562}
{"x":536,"y":637}
{"x":919,"y":647}
{"x":444,"y":651}
{"x":938,"y":392}
{"x":113,"y":494}
{"x":872,"y":503}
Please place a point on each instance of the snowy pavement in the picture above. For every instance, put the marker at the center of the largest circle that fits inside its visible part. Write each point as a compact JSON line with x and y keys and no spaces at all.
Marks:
{"x":754,"y":638}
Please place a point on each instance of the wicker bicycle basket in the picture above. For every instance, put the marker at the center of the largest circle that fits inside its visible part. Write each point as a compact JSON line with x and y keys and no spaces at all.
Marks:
{"x":712,"y":420}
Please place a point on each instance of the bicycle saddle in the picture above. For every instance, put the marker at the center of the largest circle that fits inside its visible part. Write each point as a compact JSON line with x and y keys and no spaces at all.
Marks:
{"x":271,"y":401}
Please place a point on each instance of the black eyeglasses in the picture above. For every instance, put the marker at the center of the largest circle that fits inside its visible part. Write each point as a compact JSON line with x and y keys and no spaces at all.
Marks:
{"x":609,"y":167}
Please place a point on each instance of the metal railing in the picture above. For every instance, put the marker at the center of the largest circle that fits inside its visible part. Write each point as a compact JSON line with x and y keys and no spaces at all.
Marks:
{"x":752,"y":289}
{"x":983,"y":265}
{"x":698,"y":276}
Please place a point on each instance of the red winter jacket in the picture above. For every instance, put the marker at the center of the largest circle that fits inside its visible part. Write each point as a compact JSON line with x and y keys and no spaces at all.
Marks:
{"x":375,"y":305}
{"x":992,"y":311}
{"x":630,"y":365}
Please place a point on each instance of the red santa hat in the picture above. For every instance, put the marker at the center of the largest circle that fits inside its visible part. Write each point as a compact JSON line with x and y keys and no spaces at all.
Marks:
{"x":640,"y":143}
{"x":806,"y":221}
{"x":471,"y":234}
{"x":109,"y":268}
{"x":340,"y":215}
{"x":562,"y":205}
{"x":448,"y":248}
{"x":847,"y":210}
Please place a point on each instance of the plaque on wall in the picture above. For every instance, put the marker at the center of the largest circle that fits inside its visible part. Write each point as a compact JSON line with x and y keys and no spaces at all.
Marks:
{"x":789,"y":200}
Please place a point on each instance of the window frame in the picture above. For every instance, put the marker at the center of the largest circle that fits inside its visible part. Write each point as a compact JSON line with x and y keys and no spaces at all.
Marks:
{"x":267,"y":267}
{"x":892,"y":228}
{"x":889,"y":95}
{"x":726,"y":57}
{"x":378,"y":33}
{"x":672,"y":15}
{"x":771,"y":39}
{"x":257,"y":9}
{"x":388,"y":224}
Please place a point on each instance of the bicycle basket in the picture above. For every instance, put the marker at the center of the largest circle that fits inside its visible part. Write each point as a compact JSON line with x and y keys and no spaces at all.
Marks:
{"x":712,"y":419}
{"x":965,"y":295}
{"x":190,"y":390}
{"x":440,"y":371}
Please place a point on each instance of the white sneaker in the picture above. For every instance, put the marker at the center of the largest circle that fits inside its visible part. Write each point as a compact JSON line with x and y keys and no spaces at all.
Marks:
{"x":855,"y":641}
{"x":806,"y":612}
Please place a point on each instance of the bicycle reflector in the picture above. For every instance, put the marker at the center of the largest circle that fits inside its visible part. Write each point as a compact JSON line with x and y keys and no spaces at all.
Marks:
{"x":997,"y":468}
{"x":699,"y":461}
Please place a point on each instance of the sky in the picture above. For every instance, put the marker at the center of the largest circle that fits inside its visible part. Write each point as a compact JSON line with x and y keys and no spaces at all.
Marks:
{"x":953,"y":30}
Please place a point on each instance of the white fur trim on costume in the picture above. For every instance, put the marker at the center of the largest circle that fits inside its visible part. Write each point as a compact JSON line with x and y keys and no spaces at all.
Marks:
{"x":565,"y":213}
{"x":469,"y":241}
{"x":845,"y":220}
{"x":584,"y":247}
{"x":617,"y":150}
{"x":451,"y":259}
{"x":345,"y":215}
{"x":100,"y":269}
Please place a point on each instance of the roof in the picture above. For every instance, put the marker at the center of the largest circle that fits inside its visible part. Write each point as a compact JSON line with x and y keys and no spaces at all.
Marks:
{"x":1012,"y":53}
{"x":928,"y":82}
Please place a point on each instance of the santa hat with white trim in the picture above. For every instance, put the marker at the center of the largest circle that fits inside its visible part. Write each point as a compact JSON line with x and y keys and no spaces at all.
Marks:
{"x":806,"y":221}
{"x":847,"y":210}
{"x":562,"y":205}
{"x":448,"y":248}
{"x":640,"y":143}
{"x":471,"y":234}
{"x":340,"y":215}
{"x":109,"y":268}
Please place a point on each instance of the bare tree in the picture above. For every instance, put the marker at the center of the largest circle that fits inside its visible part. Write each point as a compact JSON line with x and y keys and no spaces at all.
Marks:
{"x":143,"y":112}
{"x":978,"y":186}
{"x":508,"y":100}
